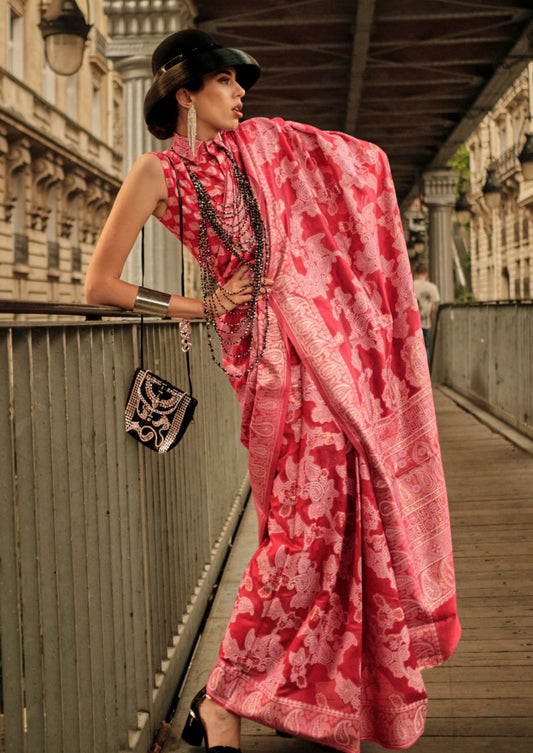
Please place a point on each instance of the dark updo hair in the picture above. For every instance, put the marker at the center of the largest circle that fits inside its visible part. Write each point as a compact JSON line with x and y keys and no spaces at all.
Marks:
{"x":164,"y":116}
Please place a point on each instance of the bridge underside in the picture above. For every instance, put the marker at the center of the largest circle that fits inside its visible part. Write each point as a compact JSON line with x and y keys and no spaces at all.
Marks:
{"x":414,"y":77}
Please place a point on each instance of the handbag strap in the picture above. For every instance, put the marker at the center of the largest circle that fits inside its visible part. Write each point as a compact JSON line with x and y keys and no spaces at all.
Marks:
{"x":142,"y":285}
{"x":182,"y":279}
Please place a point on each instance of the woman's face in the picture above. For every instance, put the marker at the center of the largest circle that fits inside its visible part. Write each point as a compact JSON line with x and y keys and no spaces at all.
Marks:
{"x":218,"y":104}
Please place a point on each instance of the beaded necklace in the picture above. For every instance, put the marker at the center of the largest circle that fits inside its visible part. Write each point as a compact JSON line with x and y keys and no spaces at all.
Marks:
{"x":238,"y":224}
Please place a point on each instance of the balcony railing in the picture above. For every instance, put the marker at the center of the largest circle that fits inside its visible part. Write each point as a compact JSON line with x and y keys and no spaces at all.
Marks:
{"x":508,"y":162}
{"x":108,"y":552}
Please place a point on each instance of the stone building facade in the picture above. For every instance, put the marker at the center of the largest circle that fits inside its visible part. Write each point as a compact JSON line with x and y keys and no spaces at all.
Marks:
{"x":67,"y":142}
{"x":60,"y":158}
{"x":501,"y":239}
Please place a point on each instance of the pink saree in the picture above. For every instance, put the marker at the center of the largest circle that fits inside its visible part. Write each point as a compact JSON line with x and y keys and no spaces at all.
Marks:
{"x":351,"y":591}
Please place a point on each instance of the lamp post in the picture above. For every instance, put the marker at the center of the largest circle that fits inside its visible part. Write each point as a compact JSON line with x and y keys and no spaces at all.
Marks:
{"x":64,"y":31}
{"x":492,"y":189}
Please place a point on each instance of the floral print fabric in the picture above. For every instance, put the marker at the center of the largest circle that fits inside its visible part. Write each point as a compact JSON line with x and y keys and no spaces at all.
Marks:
{"x":351,"y":592}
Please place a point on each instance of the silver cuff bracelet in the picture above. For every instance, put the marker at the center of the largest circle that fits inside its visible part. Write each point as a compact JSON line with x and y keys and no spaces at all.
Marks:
{"x":151,"y":302}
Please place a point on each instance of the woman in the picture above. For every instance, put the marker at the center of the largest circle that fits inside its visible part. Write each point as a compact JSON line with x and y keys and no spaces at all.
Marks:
{"x":307,"y":284}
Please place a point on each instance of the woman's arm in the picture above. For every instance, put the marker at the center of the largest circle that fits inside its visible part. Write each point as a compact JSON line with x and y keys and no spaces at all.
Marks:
{"x":143,"y":193}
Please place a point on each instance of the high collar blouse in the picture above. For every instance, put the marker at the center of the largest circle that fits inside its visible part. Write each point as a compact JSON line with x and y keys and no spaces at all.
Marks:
{"x":212,"y":164}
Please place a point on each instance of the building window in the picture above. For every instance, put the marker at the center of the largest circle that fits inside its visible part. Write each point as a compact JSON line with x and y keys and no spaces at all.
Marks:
{"x":15,"y":44}
{"x":75,"y":249}
{"x":525,"y":228}
{"x":117,"y":125}
{"x":97,"y":111}
{"x":517,"y":128}
{"x":503,"y":139}
{"x":76,"y":259}
{"x":20,"y":249}
{"x":72,"y":96}
{"x":49,"y":84}
{"x":20,"y":239}
{"x":51,"y":232}
{"x":505,"y":284}
{"x":53,"y":256}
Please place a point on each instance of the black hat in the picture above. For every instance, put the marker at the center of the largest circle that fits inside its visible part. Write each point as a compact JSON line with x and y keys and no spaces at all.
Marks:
{"x":188,"y":55}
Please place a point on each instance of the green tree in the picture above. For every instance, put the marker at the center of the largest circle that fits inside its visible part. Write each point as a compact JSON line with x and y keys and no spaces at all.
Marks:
{"x":460,"y":162}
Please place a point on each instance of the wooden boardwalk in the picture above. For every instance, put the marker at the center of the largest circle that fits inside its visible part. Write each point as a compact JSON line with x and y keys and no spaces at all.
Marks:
{"x":481,"y":700}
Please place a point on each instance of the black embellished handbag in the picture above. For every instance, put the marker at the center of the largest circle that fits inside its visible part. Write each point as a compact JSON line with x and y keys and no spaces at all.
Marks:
{"x":157,"y":413}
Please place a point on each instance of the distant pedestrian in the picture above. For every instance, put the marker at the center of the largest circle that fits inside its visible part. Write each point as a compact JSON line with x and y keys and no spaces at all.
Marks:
{"x":428,"y":297}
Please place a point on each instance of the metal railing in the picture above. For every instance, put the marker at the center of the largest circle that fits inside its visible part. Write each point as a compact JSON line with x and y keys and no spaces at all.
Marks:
{"x":484,"y":351}
{"x":108,"y":552}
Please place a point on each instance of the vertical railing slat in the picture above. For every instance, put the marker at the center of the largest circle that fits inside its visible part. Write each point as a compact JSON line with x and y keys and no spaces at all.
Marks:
{"x":11,"y":657}
{"x":26,"y":480}
{"x":47,"y":551}
{"x":108,"y":525}
{"x":130,"y":494}
{"x":61,"y":495}
{"x":77,"y":476}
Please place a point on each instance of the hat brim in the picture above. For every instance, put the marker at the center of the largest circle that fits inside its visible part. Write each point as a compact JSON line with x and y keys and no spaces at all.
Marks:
{"x":246,"y":70}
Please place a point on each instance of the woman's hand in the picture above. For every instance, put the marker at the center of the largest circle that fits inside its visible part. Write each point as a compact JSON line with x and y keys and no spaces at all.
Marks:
{"x":237,"y":291}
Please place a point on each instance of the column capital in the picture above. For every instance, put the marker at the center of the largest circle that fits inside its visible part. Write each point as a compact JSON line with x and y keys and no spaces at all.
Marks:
{"x":439,"y":187}
{"x":143,"y":25}
{"x":134,"y":67}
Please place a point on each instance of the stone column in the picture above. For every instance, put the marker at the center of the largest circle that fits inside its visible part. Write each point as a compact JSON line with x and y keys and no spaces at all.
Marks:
{"x":439,"y":196}
{"x":135,"y":28}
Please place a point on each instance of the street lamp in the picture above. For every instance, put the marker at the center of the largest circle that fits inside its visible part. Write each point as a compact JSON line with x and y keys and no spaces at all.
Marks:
{"x":492,"y":190}
{"x":526,"y":158}
{"x":64,"y":32}
{"x":463,"y":209}
{"x":526,"y":155}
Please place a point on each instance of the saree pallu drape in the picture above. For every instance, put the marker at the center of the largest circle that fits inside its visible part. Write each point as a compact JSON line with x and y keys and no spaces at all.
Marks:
{"x":351,"y":591}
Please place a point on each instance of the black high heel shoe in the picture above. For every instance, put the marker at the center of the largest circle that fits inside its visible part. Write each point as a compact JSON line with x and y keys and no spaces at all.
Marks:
{"x":194,"y":731}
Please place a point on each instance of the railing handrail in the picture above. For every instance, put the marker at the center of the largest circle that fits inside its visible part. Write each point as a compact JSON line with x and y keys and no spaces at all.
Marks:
{"x":487,"y":304}
{"x":19,"y":306}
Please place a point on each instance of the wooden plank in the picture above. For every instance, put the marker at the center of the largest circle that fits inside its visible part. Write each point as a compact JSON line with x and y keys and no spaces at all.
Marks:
{"x":469,"y":688}
{"x":514,"y":727}
{"x":475,"y":745}
{"x":461,"y":675}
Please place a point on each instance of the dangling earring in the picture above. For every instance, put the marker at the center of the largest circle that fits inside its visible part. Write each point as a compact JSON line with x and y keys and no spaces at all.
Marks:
{"x":191,"y":128}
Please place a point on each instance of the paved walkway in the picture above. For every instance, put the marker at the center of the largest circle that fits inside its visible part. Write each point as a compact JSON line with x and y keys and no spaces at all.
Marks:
{"x":481,"y":700}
